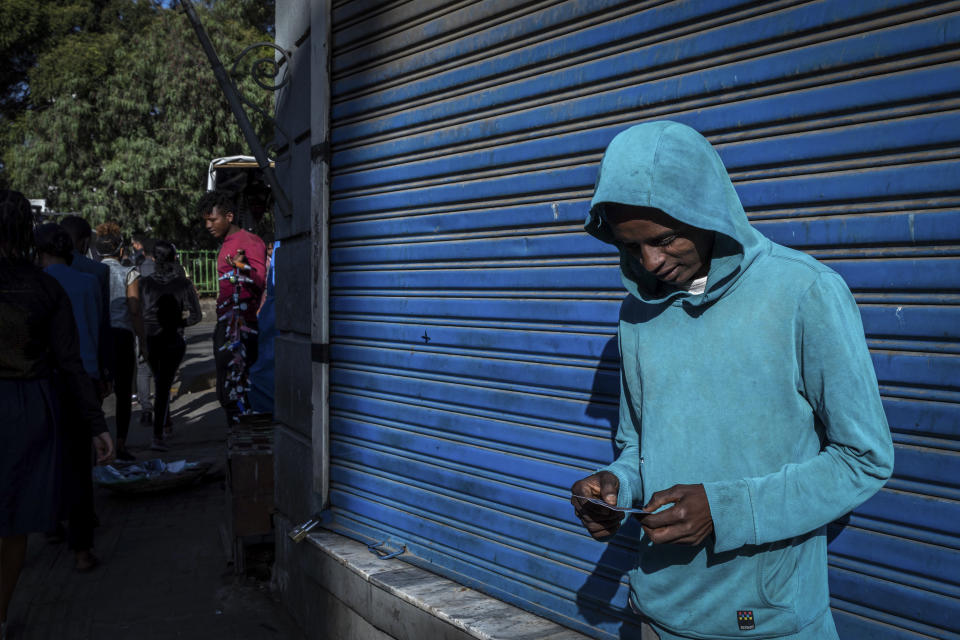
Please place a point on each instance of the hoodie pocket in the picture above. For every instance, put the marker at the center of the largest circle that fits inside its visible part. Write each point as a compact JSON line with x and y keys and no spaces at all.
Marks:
{"x":693,"y":592}
{"x":778,"y":575}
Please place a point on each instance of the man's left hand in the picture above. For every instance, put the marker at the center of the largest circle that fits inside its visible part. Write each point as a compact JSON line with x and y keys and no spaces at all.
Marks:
{"x":103,"y":444}
{"x":688,"y":521}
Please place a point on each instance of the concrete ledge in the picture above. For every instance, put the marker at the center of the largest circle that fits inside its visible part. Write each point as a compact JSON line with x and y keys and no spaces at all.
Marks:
{"x":317,"y":611}
{"x":409,"y":603}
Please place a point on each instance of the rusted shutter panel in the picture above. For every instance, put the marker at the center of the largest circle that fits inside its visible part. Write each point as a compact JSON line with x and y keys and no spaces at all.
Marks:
{"x":473,"y":363}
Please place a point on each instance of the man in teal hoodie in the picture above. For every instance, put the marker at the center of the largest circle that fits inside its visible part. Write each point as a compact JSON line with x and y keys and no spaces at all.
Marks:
{"x":750,"y":416}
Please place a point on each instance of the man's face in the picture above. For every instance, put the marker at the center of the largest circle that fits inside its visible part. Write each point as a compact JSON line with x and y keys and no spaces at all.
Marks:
{"x":670,"y":250}
{"x":218,"y":222}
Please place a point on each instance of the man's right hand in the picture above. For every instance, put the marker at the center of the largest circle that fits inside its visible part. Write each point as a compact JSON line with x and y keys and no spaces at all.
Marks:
{"x":600,"y":522}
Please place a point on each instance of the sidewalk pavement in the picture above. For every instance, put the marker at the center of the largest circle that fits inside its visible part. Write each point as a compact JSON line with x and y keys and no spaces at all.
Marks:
{"x":164,"y":572}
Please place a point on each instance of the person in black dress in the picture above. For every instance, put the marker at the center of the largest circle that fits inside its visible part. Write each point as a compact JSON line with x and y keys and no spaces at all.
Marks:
{"x":167,"y":296}
{"x":38,"y":352}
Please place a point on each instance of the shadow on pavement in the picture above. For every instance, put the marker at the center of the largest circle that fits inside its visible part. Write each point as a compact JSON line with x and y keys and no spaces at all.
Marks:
{"x":164,"y":570}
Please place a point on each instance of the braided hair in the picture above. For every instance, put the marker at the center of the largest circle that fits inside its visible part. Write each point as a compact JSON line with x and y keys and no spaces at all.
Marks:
{"x":16,"y":228}
{"x":109,"y":239}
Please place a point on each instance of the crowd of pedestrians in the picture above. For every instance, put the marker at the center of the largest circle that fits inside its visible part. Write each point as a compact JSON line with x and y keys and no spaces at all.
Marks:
{"x":72,"y":330}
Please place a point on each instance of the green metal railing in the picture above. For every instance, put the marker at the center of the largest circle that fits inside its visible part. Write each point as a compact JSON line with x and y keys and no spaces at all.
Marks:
{"x":201,"y":268}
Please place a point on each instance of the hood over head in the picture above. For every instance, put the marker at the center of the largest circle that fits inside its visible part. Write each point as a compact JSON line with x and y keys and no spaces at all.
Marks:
{"x":669,"y":166}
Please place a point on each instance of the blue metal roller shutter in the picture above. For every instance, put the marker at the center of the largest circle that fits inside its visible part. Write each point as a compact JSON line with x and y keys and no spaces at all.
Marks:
{"x":473,"y":367}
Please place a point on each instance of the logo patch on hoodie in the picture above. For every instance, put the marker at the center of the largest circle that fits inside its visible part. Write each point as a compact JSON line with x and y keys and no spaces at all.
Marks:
{"x":745,"y":620}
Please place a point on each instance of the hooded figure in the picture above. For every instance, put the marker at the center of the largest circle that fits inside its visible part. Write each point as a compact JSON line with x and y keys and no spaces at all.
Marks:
{"x":750,"y":415}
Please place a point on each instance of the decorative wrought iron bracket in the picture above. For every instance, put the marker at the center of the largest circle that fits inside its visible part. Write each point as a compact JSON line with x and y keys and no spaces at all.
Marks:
{"x":264,"y":70}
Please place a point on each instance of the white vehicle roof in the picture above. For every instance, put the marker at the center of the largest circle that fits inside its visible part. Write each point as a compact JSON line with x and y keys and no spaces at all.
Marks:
{"x":228,"y":162}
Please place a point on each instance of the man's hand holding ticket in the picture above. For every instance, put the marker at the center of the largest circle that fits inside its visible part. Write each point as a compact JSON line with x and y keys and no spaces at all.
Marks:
{"x":594,"y":500}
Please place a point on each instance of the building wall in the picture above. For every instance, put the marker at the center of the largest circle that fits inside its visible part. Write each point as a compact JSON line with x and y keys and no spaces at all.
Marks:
{"x":295,"y":497}
{"x":471,"y":385}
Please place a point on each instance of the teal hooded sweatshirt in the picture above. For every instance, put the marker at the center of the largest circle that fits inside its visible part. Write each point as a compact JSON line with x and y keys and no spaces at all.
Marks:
{"x":761,"y":389}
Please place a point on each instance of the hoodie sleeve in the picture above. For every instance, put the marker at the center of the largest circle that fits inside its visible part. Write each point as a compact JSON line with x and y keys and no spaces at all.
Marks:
{"x":627,"y":465}
{"x":64,"y":344}
{"x":839,"y":382}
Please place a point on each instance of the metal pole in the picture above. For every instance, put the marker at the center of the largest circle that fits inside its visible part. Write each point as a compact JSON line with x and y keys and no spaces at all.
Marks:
{"x":230,"y":91}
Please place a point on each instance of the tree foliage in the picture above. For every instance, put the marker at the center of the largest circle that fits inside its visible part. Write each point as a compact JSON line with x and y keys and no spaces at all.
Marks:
{"x":28,"y":29}
{"x":125,"y":114}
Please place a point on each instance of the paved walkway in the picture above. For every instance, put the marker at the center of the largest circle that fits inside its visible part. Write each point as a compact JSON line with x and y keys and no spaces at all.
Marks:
{"x":164,"y":572}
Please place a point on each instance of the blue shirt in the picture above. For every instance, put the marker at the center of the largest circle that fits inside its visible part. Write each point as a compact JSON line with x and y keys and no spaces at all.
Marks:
{"x":84,"y":293}
{"x":101,"y":272}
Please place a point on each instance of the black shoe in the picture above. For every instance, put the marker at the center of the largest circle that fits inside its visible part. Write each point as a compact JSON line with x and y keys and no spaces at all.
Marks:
{"x":125,"y":455}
